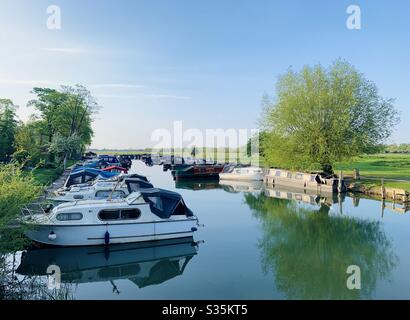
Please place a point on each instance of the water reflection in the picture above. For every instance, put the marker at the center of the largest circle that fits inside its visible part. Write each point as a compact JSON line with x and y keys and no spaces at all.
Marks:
{"x":308,"y":250}
{"x":144,"y":264}
{"x":197,"y":185}
{"x":241,"y":186}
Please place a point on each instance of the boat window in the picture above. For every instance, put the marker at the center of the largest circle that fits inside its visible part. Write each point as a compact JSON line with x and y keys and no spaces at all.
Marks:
{"x":76,"y":180}
{"x":299,"y":176}
{"x":78,"y":197}
{"x":70,"y":216}
{"x":179,"y":210}
{"x":130,"y":214}
{"x":109,"y":215}
{"x":277,"y":173}
{"x":88,"y":178}
{"x":106,"y":193}
{"x":156,"y":202}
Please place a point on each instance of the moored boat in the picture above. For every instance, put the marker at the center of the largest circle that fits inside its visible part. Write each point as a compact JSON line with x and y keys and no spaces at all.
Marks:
{"x":202,"y":171}
{"x":309,"y":181}
{"x":233,"y":172}
{"x":101,"y":190}
{"x":151,"y":214}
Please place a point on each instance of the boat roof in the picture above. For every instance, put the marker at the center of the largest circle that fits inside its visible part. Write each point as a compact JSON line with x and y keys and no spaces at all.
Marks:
{"x":115,"y":168}
{"x":92,"y":171}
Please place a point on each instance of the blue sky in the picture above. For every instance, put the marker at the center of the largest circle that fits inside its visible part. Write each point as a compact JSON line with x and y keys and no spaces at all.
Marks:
{"x":206,"y":63}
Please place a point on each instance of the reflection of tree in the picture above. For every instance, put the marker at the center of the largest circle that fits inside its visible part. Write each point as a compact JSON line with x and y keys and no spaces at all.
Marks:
{"x":309,"y":251}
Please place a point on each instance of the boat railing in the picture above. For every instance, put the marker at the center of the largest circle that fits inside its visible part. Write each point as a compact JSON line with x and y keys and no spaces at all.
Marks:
{"x":36,"y":208}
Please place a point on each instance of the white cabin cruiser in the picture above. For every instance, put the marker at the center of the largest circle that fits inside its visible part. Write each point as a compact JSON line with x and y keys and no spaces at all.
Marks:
{"x":112,"y":180}
{"x":101,"y":190}
{"x":233,"y":172}
{"x":147,"y":215}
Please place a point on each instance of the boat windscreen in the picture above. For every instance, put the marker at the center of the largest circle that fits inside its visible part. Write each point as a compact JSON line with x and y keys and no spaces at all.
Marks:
{"x":134,"y":185}
{"x":165,"y":204}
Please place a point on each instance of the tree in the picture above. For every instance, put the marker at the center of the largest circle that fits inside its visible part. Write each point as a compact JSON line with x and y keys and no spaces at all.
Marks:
{"x":67,"y":113}
{"x":64,"y":147}
{"x":324,"y":115}
{"x":8,"y":127}
{"x":29,"y":144}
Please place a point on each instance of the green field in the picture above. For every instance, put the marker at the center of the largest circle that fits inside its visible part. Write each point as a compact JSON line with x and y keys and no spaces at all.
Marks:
{"x":387,"y":166}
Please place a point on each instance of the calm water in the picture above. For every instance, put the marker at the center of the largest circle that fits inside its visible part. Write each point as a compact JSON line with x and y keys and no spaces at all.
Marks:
{"x":255,"y":246}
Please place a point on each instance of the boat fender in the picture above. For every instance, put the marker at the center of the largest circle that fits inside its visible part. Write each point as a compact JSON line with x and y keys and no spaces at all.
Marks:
{"x":52,"y":235}
{"x":193,"y":229}
{"x":107,"y":238}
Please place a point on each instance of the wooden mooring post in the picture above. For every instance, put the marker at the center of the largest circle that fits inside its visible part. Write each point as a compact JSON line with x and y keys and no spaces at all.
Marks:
{"x":383,"y":190}
{"x":340,"y":182}
{"x":356,"y":174}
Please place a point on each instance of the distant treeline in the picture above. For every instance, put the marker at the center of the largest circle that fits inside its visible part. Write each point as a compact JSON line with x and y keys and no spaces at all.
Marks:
{"x":398,"y":148}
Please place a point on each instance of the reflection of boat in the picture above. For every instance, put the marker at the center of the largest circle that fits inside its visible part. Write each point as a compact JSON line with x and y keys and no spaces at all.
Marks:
{"x":144,"y":264}
{"x":197,"y":184}
{"x":233,"y":172}
{"x":241,"y":186}
{"x":306,"y":196}
{"x":150,"y":214}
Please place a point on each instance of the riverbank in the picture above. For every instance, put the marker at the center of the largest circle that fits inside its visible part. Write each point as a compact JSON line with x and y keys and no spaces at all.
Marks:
{"x":46,"y":176}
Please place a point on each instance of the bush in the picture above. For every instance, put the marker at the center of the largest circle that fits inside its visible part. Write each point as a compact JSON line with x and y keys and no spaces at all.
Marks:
{"x":16,"y":191}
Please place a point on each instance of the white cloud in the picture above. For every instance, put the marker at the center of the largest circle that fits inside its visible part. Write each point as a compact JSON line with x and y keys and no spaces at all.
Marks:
{"x":167,"y":96}
{"x":119,"y":86}
{"x":26,"y":82}
{"x":138,"y":96}
{"x":64,"y":50}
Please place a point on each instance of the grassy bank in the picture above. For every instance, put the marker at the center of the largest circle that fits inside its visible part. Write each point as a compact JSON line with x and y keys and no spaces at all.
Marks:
{"x":45,"y":176}
{"x":373,"y":168}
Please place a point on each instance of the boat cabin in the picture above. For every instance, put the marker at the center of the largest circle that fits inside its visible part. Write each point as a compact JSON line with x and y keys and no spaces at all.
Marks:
{"x":84,"y":175}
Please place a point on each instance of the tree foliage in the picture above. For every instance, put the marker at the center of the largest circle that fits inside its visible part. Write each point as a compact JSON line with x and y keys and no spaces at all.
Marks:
{"x":63,"y":117}
{"x":16,"y":190}
{"x":8,"y":127}
{"x":324,"y":115}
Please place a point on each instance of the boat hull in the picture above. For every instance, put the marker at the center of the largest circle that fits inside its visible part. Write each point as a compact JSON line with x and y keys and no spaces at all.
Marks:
{"x":90,"y":235}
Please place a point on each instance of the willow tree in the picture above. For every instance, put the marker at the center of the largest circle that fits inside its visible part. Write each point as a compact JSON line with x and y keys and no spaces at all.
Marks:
{"x":323,"y":115}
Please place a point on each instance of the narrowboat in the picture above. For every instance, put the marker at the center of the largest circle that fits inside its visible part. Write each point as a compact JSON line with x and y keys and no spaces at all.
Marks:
{"x":307,"y":181}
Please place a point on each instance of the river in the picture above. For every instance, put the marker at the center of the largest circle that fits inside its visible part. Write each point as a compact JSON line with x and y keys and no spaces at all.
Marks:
{"x":256,"y":243}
